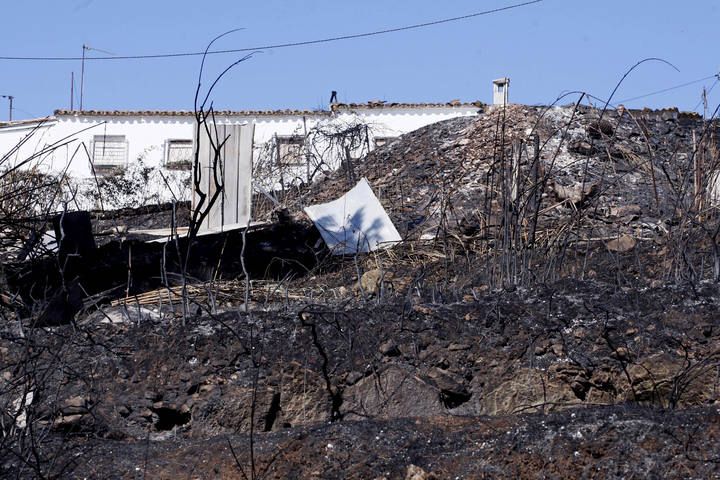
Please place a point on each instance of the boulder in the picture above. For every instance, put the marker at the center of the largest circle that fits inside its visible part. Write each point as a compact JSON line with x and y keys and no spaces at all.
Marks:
{"x":669,"y":381}
{"x":528,"y":391}
{"x":392,"y":393}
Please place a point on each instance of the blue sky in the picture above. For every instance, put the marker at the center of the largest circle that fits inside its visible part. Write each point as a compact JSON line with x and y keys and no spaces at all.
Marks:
{"x":546,"y":49}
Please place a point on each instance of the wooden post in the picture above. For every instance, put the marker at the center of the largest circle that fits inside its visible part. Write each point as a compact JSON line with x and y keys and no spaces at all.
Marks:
{"x":534,"y":204}
{"x":698,"y":176}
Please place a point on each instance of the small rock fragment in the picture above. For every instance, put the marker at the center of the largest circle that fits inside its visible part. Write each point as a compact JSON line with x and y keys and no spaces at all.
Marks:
{"x":621,"y":353}
{"x":601,"y":128}
{"x":389,"y":348}
{"x":576,"y":193}
{"x":67,"y":421}
{"x":625,"y":210}
{"x":455,"y":347}
{"x":353,"y":377}
{"x":372,"y":280}
{"x":582,"y":148}
{"x":416,"y":473}
{"x":622,"y":244}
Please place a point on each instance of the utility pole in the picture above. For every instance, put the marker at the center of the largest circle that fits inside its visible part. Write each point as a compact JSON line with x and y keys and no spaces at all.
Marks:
{"x":10,"y":99}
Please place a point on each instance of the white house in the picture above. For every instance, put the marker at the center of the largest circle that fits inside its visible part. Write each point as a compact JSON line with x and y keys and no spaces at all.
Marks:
{"x":288,"y":145}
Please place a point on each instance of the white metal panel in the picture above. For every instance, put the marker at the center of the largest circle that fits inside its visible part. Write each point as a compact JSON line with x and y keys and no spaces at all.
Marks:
{"x":355,"y":222}
{"x":233,"y":170}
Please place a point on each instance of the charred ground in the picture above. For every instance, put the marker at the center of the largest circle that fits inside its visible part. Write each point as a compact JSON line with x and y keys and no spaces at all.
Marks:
{"x":551,"y":314}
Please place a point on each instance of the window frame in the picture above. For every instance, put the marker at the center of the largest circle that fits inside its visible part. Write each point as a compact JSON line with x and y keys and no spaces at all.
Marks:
{"x":178,"y":164}
{"x":104,"y":163}
{"x":289,"y":140}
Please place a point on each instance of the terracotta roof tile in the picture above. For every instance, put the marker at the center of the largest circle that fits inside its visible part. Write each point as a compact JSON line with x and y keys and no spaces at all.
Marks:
{"x":28,"y":121}
{"x":373,"y":104}
{"x":383,"y":104}
{"x":183,"y":113}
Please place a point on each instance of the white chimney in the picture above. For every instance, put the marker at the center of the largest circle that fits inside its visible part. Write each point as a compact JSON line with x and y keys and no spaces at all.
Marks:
{"x":500,"y":91}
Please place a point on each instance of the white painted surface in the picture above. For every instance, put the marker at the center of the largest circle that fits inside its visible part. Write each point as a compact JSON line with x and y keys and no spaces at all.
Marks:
{"x":234,"y":164}
{"x":355,"y":222}
{"x":148,"y":134}
{"x":501,"y":93}
{"x":63,"y":144}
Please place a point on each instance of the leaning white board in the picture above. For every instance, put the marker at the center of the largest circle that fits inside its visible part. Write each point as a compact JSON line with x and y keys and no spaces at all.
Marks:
{"x":234,"y":168}
{"x":355,"y":222}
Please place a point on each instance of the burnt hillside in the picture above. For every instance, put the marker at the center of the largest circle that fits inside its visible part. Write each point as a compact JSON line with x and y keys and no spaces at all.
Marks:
{"x":551,"y":312}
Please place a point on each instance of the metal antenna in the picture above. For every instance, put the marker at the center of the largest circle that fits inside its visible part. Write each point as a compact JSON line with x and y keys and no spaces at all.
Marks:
{"x":10,"y":99}
{"x":72,"y":90}
{"x":87,"y":48}
{"x":82,"y":75}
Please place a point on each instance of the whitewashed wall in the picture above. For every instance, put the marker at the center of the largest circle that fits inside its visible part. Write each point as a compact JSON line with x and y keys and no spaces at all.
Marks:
{"x":34,"y":136}
{"x":146,"y":135}
{"x":392,"y":121}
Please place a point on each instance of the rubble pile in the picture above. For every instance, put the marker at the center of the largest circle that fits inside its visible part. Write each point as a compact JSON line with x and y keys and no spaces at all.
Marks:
{"x":626,"y":162}
{"x":557,"y":190}
{"x":410,"y":173}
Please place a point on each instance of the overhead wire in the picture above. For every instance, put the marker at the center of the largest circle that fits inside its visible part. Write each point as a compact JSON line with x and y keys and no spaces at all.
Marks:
{"x":278,"y":45}
{"x":669,"y":89}
{"x":708,"y":92}
{"x":335,"y":39}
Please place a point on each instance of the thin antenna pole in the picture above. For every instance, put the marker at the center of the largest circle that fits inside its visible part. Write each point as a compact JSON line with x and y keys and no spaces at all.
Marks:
{"x":10,"y":99}
{"x":82,"y":75}
{"x":87,"y":48}
{"x":72,"y":90}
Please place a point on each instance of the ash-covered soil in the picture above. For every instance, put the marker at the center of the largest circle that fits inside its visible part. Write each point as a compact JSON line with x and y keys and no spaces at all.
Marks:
{"x":552,"y":313}
{"x":574,"y":379}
